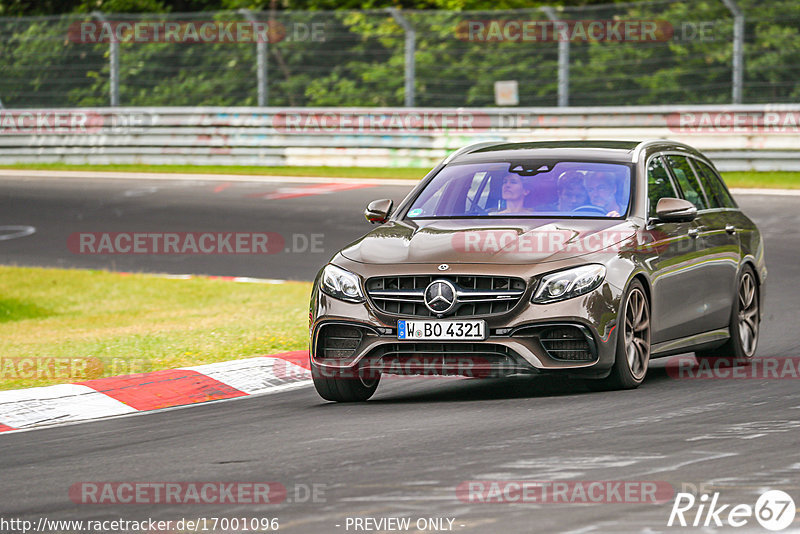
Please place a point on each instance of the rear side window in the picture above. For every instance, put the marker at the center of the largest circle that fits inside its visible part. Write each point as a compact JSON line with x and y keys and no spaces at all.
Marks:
{"x":687,"y":181}
{"x":718,"y":196}
{"x":658,"y":184}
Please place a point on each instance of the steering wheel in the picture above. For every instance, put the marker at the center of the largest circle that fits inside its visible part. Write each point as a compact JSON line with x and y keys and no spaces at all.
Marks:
{"x":590,"y":208}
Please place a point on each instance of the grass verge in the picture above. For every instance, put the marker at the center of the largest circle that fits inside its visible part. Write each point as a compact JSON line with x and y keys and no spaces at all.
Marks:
{"x":766,"y":180}
{"x":412,"y":173}
{"x":65,"y":326}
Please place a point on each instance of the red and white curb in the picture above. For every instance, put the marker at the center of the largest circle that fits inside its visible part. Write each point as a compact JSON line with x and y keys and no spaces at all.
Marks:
{"x":120,"y":395}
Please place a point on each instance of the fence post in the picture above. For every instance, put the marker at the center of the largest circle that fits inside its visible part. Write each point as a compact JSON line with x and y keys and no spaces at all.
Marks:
{"x":563,"y":60}
{"x":410,"y":48}
{"x":113,"y":60}
{"x":262,"y":67}
{"x":738,"y":49}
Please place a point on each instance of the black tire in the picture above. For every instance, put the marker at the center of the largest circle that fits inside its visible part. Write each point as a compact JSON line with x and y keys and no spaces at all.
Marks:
{"x":343,"y":386}
{"x":633,"y":343}
{"x":744,"y":324}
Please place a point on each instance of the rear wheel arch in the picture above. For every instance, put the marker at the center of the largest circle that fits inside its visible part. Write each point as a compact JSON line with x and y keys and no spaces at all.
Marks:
{"x":750,"y":262}
{"x":735,"y":348}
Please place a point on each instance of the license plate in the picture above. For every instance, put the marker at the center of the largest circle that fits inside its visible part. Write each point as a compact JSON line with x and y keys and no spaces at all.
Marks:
{"x":451,"y":330}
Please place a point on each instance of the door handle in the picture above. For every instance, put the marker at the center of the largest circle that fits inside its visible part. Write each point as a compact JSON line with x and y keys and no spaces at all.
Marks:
{"x":693,"y":232}
{"x":731,"y":229}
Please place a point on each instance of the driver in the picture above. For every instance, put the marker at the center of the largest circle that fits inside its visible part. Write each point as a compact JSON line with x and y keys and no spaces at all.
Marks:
{"x":514,"y":193}
{"x":571,"y":192}
{"x":602,"y":189}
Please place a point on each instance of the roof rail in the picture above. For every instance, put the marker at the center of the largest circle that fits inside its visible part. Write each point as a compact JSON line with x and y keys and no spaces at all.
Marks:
{"x":467,"y":149}
{"x":641,"y":146}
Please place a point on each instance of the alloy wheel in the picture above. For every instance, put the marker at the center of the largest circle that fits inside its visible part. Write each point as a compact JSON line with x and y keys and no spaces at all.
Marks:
{"x":637,"y":333}
{"x":748,"y":314}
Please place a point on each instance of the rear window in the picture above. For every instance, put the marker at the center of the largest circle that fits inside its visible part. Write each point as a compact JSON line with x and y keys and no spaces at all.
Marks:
{"x":718,"y":196}
{"x":559,"y":189}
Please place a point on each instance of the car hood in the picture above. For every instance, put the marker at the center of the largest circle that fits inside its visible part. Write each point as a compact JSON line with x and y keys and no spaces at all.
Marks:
{"x":501,"y":241}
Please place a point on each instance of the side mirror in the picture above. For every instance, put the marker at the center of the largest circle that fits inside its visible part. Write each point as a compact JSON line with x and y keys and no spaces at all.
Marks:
{"x":675,"y":210}
{"x":378,"y":211}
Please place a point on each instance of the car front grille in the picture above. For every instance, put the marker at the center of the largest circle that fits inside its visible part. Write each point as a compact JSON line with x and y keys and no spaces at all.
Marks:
{"x":477,"y":295}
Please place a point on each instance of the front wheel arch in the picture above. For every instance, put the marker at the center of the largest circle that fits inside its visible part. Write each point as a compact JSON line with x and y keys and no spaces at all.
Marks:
{"x":623,"y":375}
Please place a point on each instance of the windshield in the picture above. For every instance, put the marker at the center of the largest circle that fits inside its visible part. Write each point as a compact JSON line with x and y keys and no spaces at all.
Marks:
{"x":561,"y":189}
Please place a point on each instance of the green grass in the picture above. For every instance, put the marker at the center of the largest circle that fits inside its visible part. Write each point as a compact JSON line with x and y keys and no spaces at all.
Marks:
{"x":409,"y":173}
{"x":107,"y":324}
{"x":779,"y":180}
{"x":767,"y":180}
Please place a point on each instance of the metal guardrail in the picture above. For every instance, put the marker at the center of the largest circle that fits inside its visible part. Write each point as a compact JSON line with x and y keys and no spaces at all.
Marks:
{"x":760,"y":137}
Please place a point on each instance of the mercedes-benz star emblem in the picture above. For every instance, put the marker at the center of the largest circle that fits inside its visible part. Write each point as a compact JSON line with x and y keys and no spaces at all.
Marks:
{"x":444,"y":267}
{"x":440,"y":296}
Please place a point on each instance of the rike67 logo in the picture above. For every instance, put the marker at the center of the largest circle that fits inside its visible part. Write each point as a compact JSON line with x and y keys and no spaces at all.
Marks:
{"x":774,"y":510}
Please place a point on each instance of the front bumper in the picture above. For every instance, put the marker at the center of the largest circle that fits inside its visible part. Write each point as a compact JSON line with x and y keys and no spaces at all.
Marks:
{"x":517,"y":342}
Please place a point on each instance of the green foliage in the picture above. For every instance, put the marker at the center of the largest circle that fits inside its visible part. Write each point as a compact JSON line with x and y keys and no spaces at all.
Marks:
{"x":358,"y":59}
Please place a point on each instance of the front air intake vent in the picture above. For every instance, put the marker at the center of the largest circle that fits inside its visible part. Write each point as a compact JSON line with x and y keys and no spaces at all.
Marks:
{"x":336,"y":341}
{"x":566,"y":343}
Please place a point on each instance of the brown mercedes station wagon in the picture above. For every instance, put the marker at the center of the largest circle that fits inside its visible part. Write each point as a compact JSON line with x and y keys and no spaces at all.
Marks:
{"x":583,"y":258}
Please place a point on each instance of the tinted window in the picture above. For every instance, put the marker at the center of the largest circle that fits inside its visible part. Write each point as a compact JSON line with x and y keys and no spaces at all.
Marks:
{"x":687,"y":181}
{"x":718,"y":196}
{"x":531,"y":188}
{"x":658,"y":184}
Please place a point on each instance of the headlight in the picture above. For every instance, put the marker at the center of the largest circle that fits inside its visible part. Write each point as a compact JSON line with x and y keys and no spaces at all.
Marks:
{"x":341,"y":284}
{"x":570,"y":283}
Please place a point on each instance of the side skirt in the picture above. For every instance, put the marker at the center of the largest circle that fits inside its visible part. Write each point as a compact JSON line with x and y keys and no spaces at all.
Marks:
{"x":704,"y":340}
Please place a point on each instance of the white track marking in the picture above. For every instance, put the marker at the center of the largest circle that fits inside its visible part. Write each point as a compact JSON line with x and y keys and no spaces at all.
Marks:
{"x":16,"y":231}
{"x":24,"y":408}
{"x":256,"y":375}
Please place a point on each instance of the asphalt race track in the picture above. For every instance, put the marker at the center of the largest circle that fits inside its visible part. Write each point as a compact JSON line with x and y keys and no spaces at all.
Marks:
{"x":313,"y":226}
{"x":403,"y":453}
